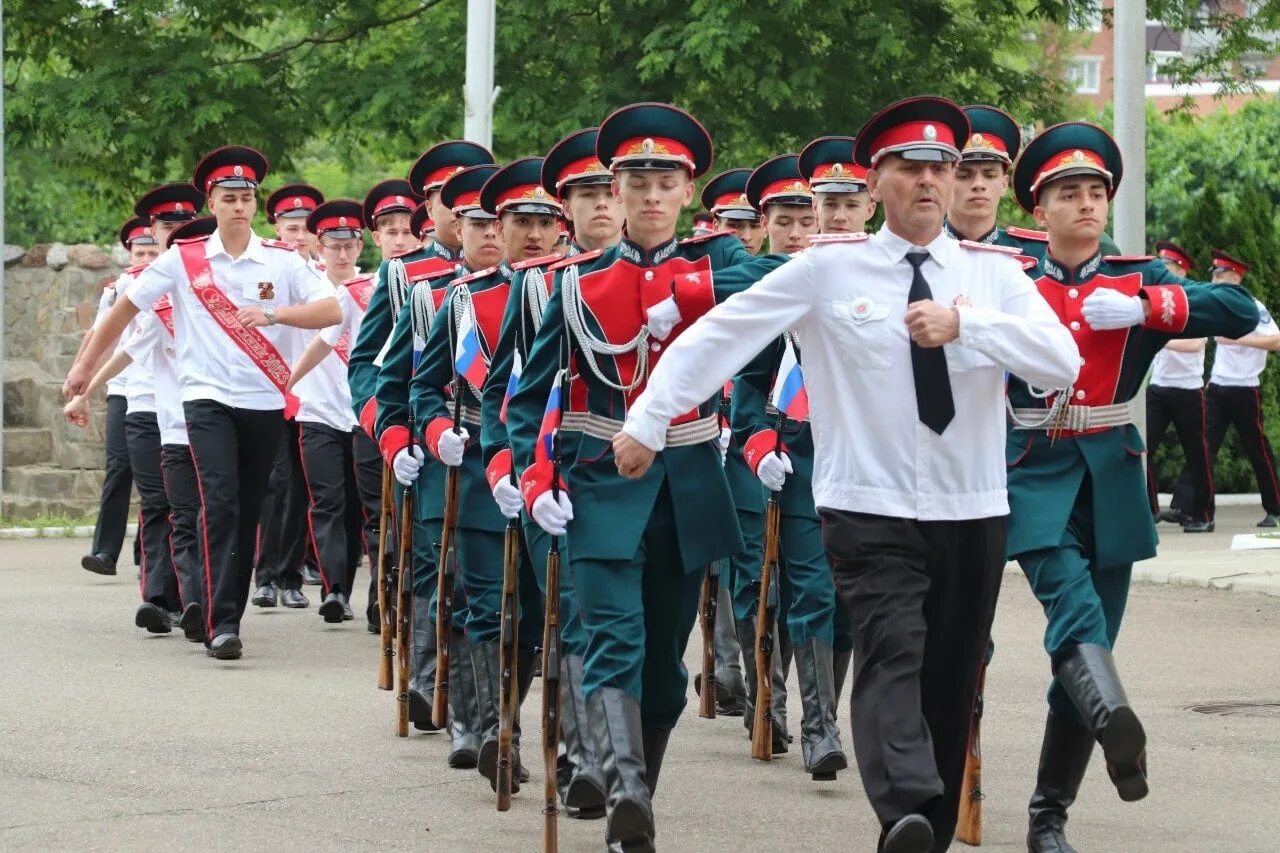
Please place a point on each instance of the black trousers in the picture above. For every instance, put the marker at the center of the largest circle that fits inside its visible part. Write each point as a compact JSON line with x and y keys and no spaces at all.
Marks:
{"x":922,"y":595}
{"x":233,"y":450}
{"x":369,"y":465}
{"x":1184,"y":408}
{"x":113,"y":509}
{"x":1240,"y":407}
{"x":334,"y":517}
{"x":159,"y":578}
{"x":282,"y":537}
{"x":184,"y":509}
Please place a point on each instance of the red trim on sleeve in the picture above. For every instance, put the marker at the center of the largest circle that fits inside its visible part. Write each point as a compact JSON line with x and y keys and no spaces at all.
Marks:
{"x":694,"y":294}
{"x":759,"y":446}
{"x":536,"y":481}
{"x":499,"y":467}
{"x":431,"y":435}
{"x":1169,"y":309}
{"x":369,"y":415}
{"x":393,"y":440}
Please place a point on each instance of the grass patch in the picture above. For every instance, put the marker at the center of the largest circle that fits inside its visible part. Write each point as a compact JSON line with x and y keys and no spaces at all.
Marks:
{"x":44,"y":522}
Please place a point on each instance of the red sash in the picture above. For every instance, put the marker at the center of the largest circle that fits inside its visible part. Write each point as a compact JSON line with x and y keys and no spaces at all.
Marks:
{"x":223,"y":311}
{"x":164,"y":310}
{"x":361,"y":290}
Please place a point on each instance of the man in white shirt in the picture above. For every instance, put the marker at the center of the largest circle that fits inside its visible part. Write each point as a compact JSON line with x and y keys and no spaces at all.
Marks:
{"x":906,"y":335}
{"x":231,"y":293}
{"x":1233,"y":399}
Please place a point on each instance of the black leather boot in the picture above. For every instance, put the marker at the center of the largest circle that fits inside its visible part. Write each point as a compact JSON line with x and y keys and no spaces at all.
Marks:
{"x":484,"y":658}
{"x":583,"y":786}
{"x":1088,"y":674}
{"x":614,"y":718}
{"x":1064,"y":755}
{"x":464,"y":710}
{"x":527,"y":665}
{"x":731,"y":689}
{"x":782,"y":653}
{"x":655,"y":747}
{"x":422,"y":666}
{"x":747,"y":638}
{"x":840,"y":662}
{"x":819,"y":736}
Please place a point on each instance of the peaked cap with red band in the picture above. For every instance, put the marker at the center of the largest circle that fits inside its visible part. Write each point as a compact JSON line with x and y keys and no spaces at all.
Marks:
{"x":725,"y":196}
{"x":169,"y":203}
{"x":136,"y":231}
{"x":202,"y":227}
{"x":342,"y":219}
{"x":1171,"y":251}
{"x":827,"y":164}
{"x":517,"y":188}
{"x":572,"y":162}
{"x":235,"y":167}
{"x":292,"y":201}
{"x":778,"y":181}
{"x":421,"y":224}
{"x":461,"y":193}
{"x":653,"y":136}
{"x":444,"y":160}
{"x":1223,"y":261}
{"x":1066,"y":150}
{"x":394,"y":195}
{"x":932,"y":129}
{"x":993,"y":135}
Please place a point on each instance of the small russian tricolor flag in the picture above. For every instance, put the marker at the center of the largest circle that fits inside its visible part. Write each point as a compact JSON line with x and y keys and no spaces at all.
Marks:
{"x":512,"y":383}
{"x":545,"y":448}
{"x":790,"y":396}
{"x":419,"y":345}
{"x":468,"y":359}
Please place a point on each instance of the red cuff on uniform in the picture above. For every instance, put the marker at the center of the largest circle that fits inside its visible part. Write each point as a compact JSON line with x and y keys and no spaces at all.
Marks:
{"x":536,"y":481}
{"x":1169,"y":309}
{"x":431,"y":435}
{"x":369,"y":415}
{"x":499,"y":467}
{"x":393,"y":440}
{"x":759,"y":446}
{"x":694,"y":294}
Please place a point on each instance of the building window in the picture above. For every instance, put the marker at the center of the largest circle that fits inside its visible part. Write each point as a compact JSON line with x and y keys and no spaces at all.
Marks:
{"x":1156,"y":62}
{"x":1085,"y":74}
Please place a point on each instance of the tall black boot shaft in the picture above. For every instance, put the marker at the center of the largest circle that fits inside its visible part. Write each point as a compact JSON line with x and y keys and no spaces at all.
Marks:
{"x":1064,"y":756}
{"x":1088,"y":674}
{"x":583,"y":788}
{"x":422,"y":666}
{"x":614,"y":718}
{"x":464,"y":708}
{"x":819,"y":736}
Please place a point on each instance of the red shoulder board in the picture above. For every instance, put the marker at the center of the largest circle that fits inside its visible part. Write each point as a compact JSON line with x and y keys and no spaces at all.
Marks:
{"x":360,"y":279}
{"x":823,"y":239}
{"x":1028,"y":263}
{"x":428,"y":268}
{"x":702,"y":238}
{"x":1129,"y":259}
{"x":467,"y":279}
{"x":990,"y":247}
{"x":575,"y":259}
{"x":137,"y":268}
{"x":1027,"y":234}
{"x":199,"y":239}
{"x":278,"y":244}
{"x":536,"y":262}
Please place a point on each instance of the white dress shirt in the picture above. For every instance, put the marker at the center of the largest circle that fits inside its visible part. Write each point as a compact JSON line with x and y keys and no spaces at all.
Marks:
{"x":140,"y":384}
{"x":323,"y":394}
{"x":1238,"y":365}
{"x":153,"y":346}
{"x":116,"y":384}
{"x":1173,"y":369}
{"x":847,"y":300}
{"x":210,"y":365}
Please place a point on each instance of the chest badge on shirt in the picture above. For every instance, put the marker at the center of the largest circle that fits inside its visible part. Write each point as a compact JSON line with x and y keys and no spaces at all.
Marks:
{"x":862,"y":309}
{"x":962,"y":301}
{"x":266,"y":291}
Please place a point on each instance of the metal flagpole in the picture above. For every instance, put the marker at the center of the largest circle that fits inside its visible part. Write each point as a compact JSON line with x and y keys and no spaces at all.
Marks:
{"x":2,"y":289}
{"x":478,"y":92}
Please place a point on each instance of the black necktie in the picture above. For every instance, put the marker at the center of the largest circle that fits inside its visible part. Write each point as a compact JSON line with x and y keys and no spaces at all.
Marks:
{"x":934,"y":403}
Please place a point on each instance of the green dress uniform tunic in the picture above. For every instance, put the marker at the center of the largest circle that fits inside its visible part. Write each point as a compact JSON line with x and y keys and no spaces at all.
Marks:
{"x":639,"y":545}
{"x":1077,"y":495}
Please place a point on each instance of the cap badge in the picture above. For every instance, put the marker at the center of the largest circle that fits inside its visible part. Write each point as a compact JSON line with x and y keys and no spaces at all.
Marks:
{"x":647,"y":146}
{"x":342,"y":222}
{"x":238,"y":171}
{"x":930,"y":133}
{"x":742,"y":200}
{"x":539,"y":192}
{"x":399,"y":199}
{"x":837,"y":169}
{"x":297,"y":201}
{"x":1077,"y":156}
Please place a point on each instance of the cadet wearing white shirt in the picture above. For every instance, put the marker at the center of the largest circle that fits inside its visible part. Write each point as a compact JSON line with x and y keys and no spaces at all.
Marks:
{"x":229,"y":291}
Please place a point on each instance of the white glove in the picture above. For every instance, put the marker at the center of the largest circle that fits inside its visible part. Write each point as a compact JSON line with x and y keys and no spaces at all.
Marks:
{"x":1110,"y":309}
{"x":726,"y":436}
{"x":662,"y":318}
{"x":452,"y":445}
{"x":551,"y":514}
{"x":507,"y":494}
{"x":406,"y":465}
{"x":773,"y":470}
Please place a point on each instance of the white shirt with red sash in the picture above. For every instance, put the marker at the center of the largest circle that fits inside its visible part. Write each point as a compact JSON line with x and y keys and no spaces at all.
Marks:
{"x":152,"y":345}
{"x":324,"y":395}
{"x":211,"y":364}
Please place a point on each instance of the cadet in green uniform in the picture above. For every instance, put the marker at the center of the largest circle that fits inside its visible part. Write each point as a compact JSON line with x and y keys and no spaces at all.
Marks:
{"x":725,"y":196}
{"x":782,"y":193}
{"x":1079,"y":514}
{"x":572,"y":174}
{"x":385,"y":305}
{"x":639,"y":547}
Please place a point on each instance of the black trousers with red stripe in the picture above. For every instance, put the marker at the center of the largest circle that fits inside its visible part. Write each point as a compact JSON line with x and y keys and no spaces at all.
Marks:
{"x":282,"y":537}
{"x":184,"y":510}
{"x":334,"y":516}
{"x":369,"y":465}
{"x":159,"y":580}
{"x":233,"y":450}
{"x":1240,"y":407}
{"x":117,"y":483}
{"x":1184,"y":408}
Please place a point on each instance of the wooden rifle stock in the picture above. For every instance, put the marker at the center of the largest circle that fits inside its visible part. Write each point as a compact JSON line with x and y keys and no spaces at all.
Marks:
{"x":386,"y":620}
{"x":508,"y":665}
{"x":969,"y":820}
{"x":444,"y":598}
{"x":766,"y":612}
{"x":551,"y":699}
{"x":404,"y":607}
{"x":707,"y":610}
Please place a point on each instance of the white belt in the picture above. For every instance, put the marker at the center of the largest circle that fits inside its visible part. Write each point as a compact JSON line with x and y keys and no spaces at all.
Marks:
{"x":470,"y":415}
{"x":680,"y":435}
{"x":573,"y":421}
{"x":1080,"y":418}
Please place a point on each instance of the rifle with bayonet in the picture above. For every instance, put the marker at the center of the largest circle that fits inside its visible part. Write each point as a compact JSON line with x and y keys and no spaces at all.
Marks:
{"x":446,"y":578}
{"x":404,"y":602}
{"x":766,"y":624}
{"x":386,"y":618}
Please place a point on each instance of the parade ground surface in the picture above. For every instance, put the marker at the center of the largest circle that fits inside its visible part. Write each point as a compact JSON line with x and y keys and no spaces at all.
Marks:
{"x":112,"y":739}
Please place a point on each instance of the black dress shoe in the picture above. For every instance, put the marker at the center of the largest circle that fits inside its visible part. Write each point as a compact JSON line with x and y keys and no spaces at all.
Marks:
{"x":1268,"y":520}
{"x":331,"y":608}
{"x":1198,"y":527}
{"x":226,"y":647}
{"x":294,"y":598}
{"x":310,"y":575}
{"x":154,"y":619}
{"x":911,"y":834}
{"x":266,"y":595}
{"x":347,"y":613}
{"x":192,"y":622}
{"x":1175,"y":516}
{"x":99,"y":564}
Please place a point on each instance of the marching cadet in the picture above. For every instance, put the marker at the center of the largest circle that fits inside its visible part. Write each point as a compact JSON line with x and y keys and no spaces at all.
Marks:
{"x":1079,"y":515}
{"x":422,"y":226}
{"x":982,"y":179}
{"x":390,"y":294}
{"x":1175,"y":396}
{"x":1232,"y":398}
{"x":638,"y":549}
{"x":725,"y":196}
{"x":910,"y":486}
{"x":579,"y":184}
{"x":283,"y":547}
{"x":230,"y":292}
{"x":839,"y":186}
